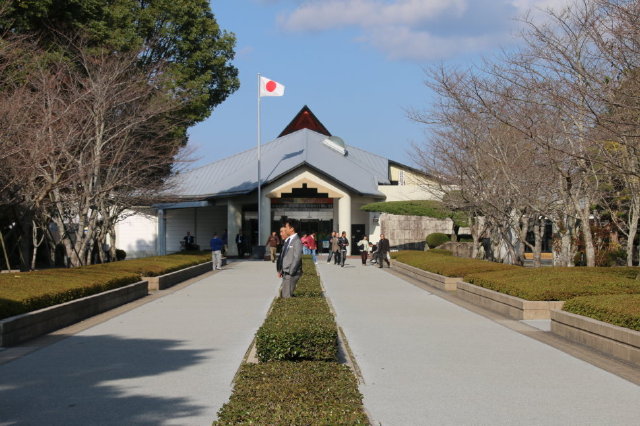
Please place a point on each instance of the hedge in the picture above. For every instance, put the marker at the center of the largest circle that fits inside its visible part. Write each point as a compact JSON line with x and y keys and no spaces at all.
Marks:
{"x":309,"y":283}
{"x":298,"y":328}
{"x":26,"y":292}
{"x":437,"y":238}
{"x":428,"y":208}
{"x":618,"y":309}
{"x":29,"y":291}
{"x":157,"y":265}
{"x":294,"y":393}
{"x":557,"y":283}
{"x":449,"y":266}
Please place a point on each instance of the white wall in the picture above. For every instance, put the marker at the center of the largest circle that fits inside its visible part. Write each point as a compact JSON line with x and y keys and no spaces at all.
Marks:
{"x":202,"y":222}
{"x":179,"y":221}
{"x":137,"y":233}
{"x":209,"y":220}
{"x":410,"y":192}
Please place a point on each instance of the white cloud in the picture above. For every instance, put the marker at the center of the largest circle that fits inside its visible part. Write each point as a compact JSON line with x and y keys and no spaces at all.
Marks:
{"x":323,"y":15}
{"x":405,"y":43}
{"x":417,"y":29}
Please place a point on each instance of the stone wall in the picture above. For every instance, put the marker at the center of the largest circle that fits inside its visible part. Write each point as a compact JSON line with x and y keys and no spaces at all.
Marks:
{"x":410,"y":232}
{"x":458,"y":249}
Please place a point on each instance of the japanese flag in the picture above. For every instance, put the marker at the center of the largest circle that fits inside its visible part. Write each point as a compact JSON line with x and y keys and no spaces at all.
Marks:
{"x":270,"y":88}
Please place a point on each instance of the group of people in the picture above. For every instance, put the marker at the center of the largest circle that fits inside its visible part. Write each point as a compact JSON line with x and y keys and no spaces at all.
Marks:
{"x":289,"y":263}
{"x":379,"y":253}
{"x":338,"y":248}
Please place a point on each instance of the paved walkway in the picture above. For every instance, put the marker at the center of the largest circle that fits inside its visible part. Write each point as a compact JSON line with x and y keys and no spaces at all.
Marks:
{"x":424,"y":360}
{"x":427,"y":361}
{"x":168,"y":362}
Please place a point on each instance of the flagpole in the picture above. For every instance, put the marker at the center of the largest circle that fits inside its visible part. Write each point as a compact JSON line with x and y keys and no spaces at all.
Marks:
{"x":259,"y":182}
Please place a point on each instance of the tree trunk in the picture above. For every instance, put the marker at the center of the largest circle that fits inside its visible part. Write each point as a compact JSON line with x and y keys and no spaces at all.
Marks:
{"x":537,"y":245}
{"x":589,"y":249}
{"x":36,"y":244}
{"x":4,"y":251}
{"x":633,"y":230}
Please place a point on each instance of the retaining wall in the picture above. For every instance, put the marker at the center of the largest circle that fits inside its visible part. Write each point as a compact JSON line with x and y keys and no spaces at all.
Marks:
{"x":510,"y":306}
{"x":20,"y":328}
{"x":620,"y":342}
{"x":169,"y":280}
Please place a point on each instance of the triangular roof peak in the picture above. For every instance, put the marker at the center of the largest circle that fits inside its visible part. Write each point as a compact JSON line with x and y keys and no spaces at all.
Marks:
{"x":305,"y":119}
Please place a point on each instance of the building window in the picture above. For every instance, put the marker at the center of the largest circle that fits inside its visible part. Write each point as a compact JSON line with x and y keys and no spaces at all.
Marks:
{"x":401,"y":178}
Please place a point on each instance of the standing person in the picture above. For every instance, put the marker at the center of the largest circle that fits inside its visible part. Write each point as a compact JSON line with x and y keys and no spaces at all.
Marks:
{"x":343,"y":242}
{"x":365,"y":246}
{"x":313,"y":247}
{"x":383,"y":251}
{"x":335,"y":248}
{"x":283,"y":240}
{"x":333,"y":234}
{"x":291,"y":259}
{"x":240,"y":244}
{"x":272,"y":243}
{"x":216,"y":251}
{"x":189,"y":241}
{"x":305,"y":246}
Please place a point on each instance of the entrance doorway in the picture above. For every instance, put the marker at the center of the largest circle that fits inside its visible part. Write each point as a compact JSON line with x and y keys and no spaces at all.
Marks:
{"x":357,"y":232}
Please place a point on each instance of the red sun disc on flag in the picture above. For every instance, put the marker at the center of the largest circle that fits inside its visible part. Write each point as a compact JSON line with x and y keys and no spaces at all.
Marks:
{"x":271,"y":86}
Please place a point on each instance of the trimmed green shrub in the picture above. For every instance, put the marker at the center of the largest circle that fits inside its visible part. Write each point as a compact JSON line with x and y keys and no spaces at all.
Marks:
{"x":157,"y":265}
{"x":619,"y":309}
{"x":554,"y":283}
{"x":309,"y":283}
{"x":298,"y":328}
{"x":121,"y":254}
{"x":435,"y":239}
{"x":294,"y":393}
{"x":30,"y":291}
{"x":429,"y":208}
{"x":449,"y":266}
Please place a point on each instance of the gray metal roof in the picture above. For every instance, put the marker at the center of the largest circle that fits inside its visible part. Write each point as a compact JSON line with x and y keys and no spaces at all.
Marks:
{"x":358,"y":170}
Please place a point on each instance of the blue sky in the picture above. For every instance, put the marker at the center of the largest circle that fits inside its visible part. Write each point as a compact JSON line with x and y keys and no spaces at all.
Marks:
{"x":358,"y":64}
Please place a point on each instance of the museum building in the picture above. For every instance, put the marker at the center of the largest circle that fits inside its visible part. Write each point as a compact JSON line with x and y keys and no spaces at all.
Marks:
{"x":306,"y":173}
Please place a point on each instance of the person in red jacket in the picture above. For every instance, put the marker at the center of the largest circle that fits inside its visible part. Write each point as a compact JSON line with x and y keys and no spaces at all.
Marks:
{"x":312,"y":245}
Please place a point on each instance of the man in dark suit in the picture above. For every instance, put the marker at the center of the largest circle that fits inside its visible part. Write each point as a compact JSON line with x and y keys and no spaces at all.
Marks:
{"x":383,"y":251}
{"x":291,"y":259}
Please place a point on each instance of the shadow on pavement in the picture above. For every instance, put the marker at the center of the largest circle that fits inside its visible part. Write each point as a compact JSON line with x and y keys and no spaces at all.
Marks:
{"x":87,"y":380}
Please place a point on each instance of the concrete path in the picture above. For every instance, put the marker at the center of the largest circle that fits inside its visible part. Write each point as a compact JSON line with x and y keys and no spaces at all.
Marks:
{"x":427,"y":361}
{"x":168,"y":362}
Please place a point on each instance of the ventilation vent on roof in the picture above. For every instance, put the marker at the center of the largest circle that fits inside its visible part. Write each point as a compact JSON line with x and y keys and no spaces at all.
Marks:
{"x":336,"y":143}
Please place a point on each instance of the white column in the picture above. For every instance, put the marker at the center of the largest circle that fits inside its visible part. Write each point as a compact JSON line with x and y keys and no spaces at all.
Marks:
{"x":234,"y":222}
{"x":344,"y":217}
{"x":265,"y":220}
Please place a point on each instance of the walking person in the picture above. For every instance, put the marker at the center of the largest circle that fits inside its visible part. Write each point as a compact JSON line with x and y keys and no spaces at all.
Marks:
{"x":291,"y":260}
{"x":343,"y":242}
{"x":305,"y":243}
{"x":335,"y":248}
{"x":365,"y":248}
{"x":331,"y":253}
{"x":383,"y":251}
{"x":272,"y":244}
{"x":312,"y":244}
{"x":216,"y":251}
